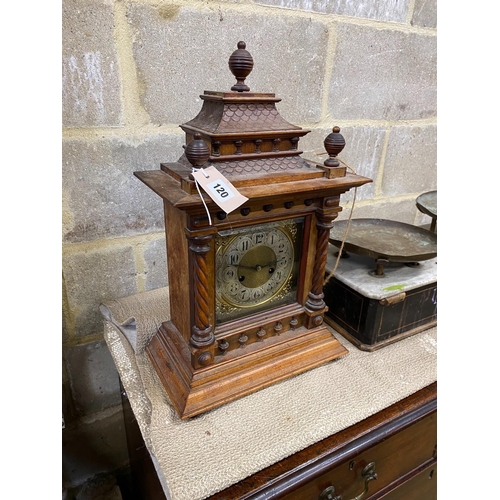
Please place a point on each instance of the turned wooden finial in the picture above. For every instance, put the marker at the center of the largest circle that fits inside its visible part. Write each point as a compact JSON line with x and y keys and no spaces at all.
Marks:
{"x":197,"y":151}
{"x":241,"y":64}
{"x":334,"y":144}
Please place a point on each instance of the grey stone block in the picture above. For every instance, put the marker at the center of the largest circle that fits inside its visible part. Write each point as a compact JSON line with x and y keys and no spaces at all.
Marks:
{"x":381,"y":10}
{"x":94,"y":379}
{"x":91,"y":84}
{"x":397,"y":210}
{"x":91,"y":277}
{"x":363,"y":152}
{"x":155,"y":257}
{"x":411,"y":161}
{"x":423,"y":220}
{"x":425,"y":13}
{"x":93,"y":448}
{"x":102,"y":197}
{"x":382,"y":75}
{"x":182,"y":51}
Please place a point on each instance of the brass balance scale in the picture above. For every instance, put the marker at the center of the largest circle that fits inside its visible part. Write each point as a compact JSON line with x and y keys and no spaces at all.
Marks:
{"x":384,"y":287}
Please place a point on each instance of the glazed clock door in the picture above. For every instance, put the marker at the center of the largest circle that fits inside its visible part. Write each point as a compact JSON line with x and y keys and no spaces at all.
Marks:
{"x":257,"y":268}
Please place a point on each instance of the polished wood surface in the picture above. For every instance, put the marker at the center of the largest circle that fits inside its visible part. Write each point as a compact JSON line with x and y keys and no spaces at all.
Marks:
{"x":195,"y":391}
{"x":400,"y":439}
{"x":422,"y":486}
{"x":404,"y":453}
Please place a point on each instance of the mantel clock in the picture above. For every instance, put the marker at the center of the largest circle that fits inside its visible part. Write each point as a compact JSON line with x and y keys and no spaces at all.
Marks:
{"x":246,"y":287}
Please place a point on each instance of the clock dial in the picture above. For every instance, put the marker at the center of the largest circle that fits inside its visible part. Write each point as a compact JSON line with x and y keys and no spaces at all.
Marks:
{"x":255,"y":266}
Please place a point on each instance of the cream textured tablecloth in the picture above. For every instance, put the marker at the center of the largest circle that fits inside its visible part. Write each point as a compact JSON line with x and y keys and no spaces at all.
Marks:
{"x":201,"y":456}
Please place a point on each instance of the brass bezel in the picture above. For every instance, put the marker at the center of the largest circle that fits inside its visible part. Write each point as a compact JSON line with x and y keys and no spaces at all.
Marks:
{"x":223,"y":240}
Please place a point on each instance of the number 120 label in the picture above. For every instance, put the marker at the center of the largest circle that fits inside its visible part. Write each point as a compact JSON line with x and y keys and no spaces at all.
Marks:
{"x":220,"y":190}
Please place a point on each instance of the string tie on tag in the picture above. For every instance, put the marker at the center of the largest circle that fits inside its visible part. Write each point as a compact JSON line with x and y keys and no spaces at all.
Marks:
{"x":202,"y":170}
{"x":348,"y":225}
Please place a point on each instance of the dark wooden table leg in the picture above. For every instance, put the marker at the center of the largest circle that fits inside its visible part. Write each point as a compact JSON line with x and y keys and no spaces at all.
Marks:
{"x":145,"y":482}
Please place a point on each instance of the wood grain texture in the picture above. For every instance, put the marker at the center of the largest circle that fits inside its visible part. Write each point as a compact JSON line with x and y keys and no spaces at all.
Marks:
{"x":202,"y":330}
{"x":178,"y":258}
{"x":194,"y":391}
{"x":192,"y":382}
{"x":166,"y":186}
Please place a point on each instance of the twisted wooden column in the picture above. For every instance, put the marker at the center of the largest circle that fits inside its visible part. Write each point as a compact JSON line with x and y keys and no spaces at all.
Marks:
{"x":324,"y":224}
{"x":202,"y":331}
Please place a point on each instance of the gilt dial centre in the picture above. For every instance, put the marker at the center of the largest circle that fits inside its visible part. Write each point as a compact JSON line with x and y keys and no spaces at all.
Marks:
{"x":255,"y":265}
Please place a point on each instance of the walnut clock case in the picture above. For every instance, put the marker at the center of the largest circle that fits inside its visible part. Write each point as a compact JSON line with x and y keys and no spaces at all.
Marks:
{"x":246,"y":302}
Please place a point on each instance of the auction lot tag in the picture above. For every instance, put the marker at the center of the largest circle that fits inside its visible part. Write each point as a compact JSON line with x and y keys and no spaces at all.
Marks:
{"x":219,"y":188}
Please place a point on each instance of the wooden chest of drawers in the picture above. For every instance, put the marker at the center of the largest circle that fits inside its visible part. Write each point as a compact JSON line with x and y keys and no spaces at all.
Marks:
{"x":390,"y":455}
{"x":379,"y":463}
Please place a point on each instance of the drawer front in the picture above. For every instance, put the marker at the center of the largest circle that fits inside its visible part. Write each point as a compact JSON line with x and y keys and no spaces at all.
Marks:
{"x":393,"y":458}
{"x":423,"y":486}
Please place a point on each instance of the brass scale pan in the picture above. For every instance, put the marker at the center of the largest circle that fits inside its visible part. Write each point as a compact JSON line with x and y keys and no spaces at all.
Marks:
{"x":385,"y":241}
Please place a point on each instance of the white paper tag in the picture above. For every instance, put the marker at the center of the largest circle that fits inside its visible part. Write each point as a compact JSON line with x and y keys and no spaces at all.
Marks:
{"x":219,"y":189}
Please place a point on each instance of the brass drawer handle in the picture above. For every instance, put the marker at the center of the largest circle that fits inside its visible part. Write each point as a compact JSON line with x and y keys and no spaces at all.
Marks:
{"x":368,"y":473}
{"x":327,"y":494}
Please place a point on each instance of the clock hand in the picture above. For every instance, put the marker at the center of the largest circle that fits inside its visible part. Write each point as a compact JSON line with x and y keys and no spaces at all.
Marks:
{"x":258,"y":267}
{"x":249,"y":267}
{"x":268,"y":264}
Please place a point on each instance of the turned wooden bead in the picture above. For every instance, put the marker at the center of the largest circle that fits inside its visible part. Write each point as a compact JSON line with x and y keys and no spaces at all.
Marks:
{"x":197,"y":151}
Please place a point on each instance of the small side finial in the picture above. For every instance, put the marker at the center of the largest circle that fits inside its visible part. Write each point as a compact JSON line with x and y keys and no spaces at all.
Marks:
{"x":197,"y":151}
{"x":334,"y":144}
{"x":241,"y":65}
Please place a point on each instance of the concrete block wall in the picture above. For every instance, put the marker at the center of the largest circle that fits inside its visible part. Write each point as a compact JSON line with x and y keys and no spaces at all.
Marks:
{"x":133,"y":71}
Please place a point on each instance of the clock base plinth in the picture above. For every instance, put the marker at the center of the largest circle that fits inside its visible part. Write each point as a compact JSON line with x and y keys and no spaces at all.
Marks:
{"x":195,"y":391}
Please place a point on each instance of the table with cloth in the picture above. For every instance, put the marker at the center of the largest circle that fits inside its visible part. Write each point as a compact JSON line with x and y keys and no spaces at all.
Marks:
{"x":199,"y":457}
